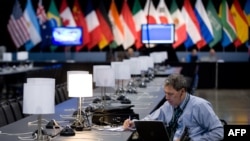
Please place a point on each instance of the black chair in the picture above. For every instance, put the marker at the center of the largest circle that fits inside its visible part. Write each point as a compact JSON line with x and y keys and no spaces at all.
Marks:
{"x":3,"y":120}
{"x":60,"y":92}
{"x":57,"y":98}
{"x":65,"y":90}
{"x":8,"y":112}
{"x":16,"y":109}
{"x":20,"y":103}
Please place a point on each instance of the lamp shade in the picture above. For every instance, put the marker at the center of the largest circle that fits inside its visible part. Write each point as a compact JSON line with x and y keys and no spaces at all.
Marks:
{"x":96,"y":67}
{"x":135,"y":68}
{"x":41,"y":80}
{"x":22,"y":55}
{"x":7,"y":56}
{"x":39,"y":97}
{"x":105,"y":77}
{"x":157,"y":57}
{"x":122,"y":70}
{"x":143,"y":63}
{"x":80,"y":84}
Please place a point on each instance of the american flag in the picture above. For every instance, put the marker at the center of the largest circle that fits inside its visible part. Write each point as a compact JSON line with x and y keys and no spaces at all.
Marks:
{"x":17,"y":26}
{"x":40,"y":12}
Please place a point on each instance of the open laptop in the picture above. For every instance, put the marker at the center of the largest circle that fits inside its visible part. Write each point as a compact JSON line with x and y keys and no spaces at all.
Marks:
{"x":151,"y":130}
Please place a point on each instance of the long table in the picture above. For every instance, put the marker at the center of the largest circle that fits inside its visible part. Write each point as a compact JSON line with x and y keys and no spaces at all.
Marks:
{"x":145,"y":101}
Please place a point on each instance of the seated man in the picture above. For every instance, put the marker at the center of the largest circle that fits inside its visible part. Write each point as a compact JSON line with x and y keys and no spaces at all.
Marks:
{"x":193,"y":56}
{"x":193,"y":113}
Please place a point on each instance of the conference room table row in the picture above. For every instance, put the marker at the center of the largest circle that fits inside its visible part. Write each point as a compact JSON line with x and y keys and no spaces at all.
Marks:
{"x":144,"y":102}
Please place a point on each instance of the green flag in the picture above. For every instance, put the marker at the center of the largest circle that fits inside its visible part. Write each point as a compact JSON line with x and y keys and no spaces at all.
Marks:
{"x":215,"y":22}
{"x":54,"y":14}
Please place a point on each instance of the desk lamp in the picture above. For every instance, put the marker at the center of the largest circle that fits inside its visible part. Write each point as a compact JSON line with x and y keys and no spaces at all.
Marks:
{"x":135,"y":71}
{"x":39,"y":98}
{"x":122,"y":72}
{"x":144,"y":68}
{"x":159,"y":59}
{"x":150,"y":65}
{"x":80,"y":85}
{"x":78,"y":72}
{"x":95,"y":67}
{"x":105,"y":77}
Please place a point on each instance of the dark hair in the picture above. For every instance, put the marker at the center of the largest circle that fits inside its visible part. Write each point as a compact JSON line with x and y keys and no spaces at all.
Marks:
{"x":178,"y":81}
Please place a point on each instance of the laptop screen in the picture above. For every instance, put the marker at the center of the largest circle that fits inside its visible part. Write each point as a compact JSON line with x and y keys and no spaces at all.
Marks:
{"x":151,"y":130}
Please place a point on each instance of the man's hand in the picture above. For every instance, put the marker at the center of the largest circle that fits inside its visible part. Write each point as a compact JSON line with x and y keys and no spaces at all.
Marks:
{"x":128,"y":124}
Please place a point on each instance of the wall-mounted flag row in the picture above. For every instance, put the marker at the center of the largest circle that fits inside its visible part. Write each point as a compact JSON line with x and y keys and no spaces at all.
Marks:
{"x":196,"y":25}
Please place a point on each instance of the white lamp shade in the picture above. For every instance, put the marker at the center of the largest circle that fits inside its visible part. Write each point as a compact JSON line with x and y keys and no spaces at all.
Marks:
{"x":105,"y":77}
{"x":78,"y":72}
{"x":7,"y":56}
{"x":39,"y":98}
{"x":79,"y":84}
{"x":96,"y":67}
{"x":22,"y":55}
{"x":122,"y":70}
{"x":150,"y":62}
{"x":164,"y":55}
{"x":134,"y":66}
{"x":143,"y":63}
{"x":41,"y":80}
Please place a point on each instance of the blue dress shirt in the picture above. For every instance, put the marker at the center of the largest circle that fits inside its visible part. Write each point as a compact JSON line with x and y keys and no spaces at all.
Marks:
{"x":198,"y":116}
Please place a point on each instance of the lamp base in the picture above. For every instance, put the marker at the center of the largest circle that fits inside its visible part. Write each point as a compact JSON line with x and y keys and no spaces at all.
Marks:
{"x":41,"y":137}
{"x":52,"y":124}
{"x":79,"y":123}
{"x":78,"y":126}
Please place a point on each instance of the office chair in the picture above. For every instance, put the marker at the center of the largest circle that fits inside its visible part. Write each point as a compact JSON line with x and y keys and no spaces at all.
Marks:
{"x":57,"y":98}
{"x":61,"y":94}
{"x":8,"y":112}
{"x":3,"y":120}
{"x":16,"y":109}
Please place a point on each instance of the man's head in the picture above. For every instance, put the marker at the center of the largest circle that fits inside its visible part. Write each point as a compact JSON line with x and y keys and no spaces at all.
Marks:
{"x":130,"y":52}
{"x":212,"y":52}
{"x":194,"y":52}
{"x":175,"y":89}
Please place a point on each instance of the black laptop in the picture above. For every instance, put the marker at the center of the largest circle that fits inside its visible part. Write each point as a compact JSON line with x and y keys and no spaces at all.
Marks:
{"x":151,"y":130}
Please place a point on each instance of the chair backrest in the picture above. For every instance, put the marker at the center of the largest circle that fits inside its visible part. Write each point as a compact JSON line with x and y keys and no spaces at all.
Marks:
{"x":60,"y":92}
{"x":17,"y":110}
{"x":57,"y":98}
{"x":8,"y":113}
{"x":3,"y":120}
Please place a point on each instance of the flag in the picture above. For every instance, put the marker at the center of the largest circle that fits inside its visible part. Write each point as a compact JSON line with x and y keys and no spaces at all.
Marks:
{"x":93,"y":25}
{"x":33,"y":26}
{"x":229,"y":33}
{"x":40,"y":13}
{"x":215,"y":22}
{"x":53,"y":15}
{"x":206,"y":30}
{"x":17,"y":26}
{"x":164,"y":15}
{"x":193,"y":28}
{"x":247,"y":11}
{"x":66,"y":15}
{"x":117,"y":26}
{"x":80,"y":21}
{"x":106,"y":26}
{"x":240,"y":23}
{"x":180,"y":26}
{"x":151,"y":13}
{"x":129,"y":26}
{"x":139,"y":18}
{"x":45,"y":25}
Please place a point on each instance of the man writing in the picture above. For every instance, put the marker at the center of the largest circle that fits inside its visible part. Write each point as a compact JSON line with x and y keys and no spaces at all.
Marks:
{"x":184,"y":111}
